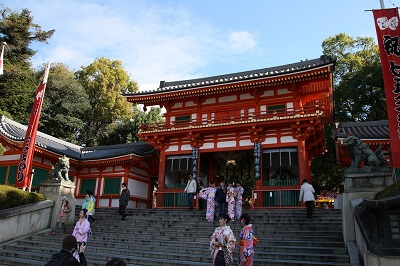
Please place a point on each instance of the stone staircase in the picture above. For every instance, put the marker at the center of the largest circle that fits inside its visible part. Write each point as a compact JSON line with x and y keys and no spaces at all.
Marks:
{"x":181,"y":237}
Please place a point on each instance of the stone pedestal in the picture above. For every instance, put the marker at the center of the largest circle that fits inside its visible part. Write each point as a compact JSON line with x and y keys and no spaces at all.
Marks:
{"x":55,"y":190}
{"x":360,"y":185}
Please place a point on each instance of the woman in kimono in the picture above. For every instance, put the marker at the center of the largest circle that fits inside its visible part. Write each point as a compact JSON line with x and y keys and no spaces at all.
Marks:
{"x":222,"y":241}
{"x":239,"y":197}
{"x":209,"y":194}
{"x":230,"y":198}
{"x":81,"y":231}
{"x":246,"y":249}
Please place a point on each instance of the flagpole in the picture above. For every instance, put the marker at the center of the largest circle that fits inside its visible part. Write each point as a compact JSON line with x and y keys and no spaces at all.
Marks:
{"x":382,"y":4}
{"x":2,"y":58}
{"x":24,"y":170}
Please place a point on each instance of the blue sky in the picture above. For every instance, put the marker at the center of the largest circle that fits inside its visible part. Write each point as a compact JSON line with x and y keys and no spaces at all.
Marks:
{"x":173,"y":40}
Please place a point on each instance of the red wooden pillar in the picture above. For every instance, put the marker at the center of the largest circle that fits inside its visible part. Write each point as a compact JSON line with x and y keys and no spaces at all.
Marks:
{"x":99,"y":184}
{"x":304,"y":164}
{"x":161,"y":178}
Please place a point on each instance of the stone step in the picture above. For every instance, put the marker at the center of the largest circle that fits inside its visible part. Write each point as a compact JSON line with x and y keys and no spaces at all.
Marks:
{"x":185,"y":248}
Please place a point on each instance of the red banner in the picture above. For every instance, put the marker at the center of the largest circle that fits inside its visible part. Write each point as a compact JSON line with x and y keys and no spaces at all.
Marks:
{"x":24,"y":170}
{"x":388,"y":32}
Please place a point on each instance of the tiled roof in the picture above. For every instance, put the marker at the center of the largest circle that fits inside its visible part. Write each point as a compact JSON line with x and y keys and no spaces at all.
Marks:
{"x":16,"y":131}
{"x":240,"y":76}
{"x":363,"y":130}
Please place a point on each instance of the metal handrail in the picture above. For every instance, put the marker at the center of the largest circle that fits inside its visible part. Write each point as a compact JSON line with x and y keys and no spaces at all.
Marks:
{"x":256,"y":198}
{"x":159,"y":197}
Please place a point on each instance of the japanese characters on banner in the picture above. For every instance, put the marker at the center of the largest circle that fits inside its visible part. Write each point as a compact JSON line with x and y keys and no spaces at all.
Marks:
{"x":257,"y":160}
{"x":388,"y":32}
{"x":195,"y":157}
{"x":27,"y":151}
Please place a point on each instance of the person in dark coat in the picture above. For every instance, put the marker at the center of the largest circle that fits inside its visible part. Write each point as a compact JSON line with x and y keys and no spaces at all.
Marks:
{"x":65,"y":256}
{"x":220,"y":197}
{"x":123,"y":202}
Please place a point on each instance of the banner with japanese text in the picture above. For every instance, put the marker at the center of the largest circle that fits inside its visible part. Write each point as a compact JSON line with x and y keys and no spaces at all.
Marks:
{"x":388,"y":33}
{"x":24,"y":170}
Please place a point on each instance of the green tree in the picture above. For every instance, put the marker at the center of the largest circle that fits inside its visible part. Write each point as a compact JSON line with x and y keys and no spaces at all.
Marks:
{"x":65,"y":104}
{"x":358,"y":95}
{"x":18,"y":84}
{"x":2,"y":149}
{"x":126,"y":132}
{"x":104,"y":80}
{"x":358,"y":82}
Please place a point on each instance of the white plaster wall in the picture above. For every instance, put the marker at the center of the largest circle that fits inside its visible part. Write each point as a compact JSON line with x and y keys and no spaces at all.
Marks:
{"x":283,"y":91}
{"x":35,"y":159}
{"x":177,"y":105}
{"x":268,"y":93}
{"x":103,"y":202}
{"x":172,"y":119}
{"x":263,"y":109}
{"x":172,"y":148}
{"x":139,"y":171}
{"x":79,"y":202}
{"x":194,"y":117}
{"x":207,"y":146}
{"x":270,"y":141}
{"x":209,"y":101}
{"x":245,"y":142}
{"x":286,"y":139}
{"x":132,"y":204}
{"x":289,"y":106}
{"x":9,"y":157}
{"x":108,"y":169}
{"x":119,"y":168}
{"x":226,"y":144}
{"x":246,"y":96}
{"x":229,"y":98}
{"x":115,"y":203}
{"x":186,"y":147}
{"x":142,"y":205}
{"x":85,"y":170}
{"x":47,"y":162}
{"x":138,"y":188}
{"x":190,"y":104}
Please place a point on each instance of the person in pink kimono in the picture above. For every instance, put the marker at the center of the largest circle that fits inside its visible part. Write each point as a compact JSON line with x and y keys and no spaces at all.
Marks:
{"x":239,"y":199}
{"x":230,"y":198}
{"x":81,"y":230}
{"x":209,"y":194}
{"x":222,"y":241}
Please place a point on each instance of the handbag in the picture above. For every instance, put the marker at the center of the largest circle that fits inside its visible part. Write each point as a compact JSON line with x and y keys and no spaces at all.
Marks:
{"x":222,"y":258}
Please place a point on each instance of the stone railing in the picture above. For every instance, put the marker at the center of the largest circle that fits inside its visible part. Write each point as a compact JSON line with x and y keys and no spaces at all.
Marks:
{"x":25,"y":220}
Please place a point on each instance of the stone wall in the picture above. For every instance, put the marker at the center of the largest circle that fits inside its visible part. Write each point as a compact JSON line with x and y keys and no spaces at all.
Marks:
{"x":25,"y":220}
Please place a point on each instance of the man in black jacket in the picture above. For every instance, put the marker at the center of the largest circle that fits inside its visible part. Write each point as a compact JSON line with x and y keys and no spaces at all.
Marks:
{"x":123,"y":201}
{"x":65,"y":257}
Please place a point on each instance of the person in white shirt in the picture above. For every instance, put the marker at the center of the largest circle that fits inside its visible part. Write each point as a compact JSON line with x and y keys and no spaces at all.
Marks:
{"x":190,"y":190}
{"x":307,"y":195}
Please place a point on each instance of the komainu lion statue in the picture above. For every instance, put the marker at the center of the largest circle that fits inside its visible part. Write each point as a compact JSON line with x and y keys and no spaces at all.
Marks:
{"x":60,"y":171}
{"x":359,"y":151}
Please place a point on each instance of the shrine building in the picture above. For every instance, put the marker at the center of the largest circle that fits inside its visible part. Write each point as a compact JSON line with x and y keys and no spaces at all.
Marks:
{"x":264,"y":124}
{"x":100,"y":169}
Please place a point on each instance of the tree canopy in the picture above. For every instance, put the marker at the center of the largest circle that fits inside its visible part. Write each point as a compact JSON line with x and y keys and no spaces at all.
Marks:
{"x":104,"y":80}
{"x":18,"y":84}
{"x":359,"y":91}
{"x":64,"y":106}
{"x":358,"y":95}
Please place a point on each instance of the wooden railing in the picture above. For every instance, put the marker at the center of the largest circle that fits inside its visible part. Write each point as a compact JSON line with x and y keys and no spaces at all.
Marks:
{"x":233,"y":116}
